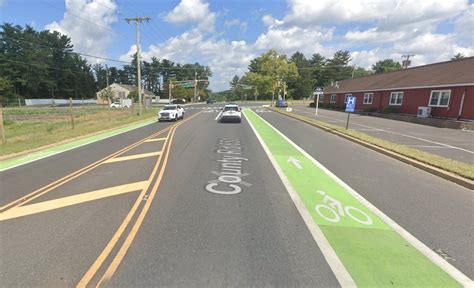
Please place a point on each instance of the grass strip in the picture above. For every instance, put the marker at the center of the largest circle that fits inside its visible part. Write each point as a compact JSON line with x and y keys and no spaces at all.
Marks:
{"x":32,"y":131}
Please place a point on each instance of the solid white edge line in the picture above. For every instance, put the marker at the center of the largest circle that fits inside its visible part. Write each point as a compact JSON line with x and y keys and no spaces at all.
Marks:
{"x":340,"y":272}
{"x":75,"y":147}
{"x":218,"y":115}
{"x":425,"y":250}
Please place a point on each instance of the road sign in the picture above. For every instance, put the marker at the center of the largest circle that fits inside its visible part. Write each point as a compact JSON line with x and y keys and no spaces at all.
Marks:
{"x":350,"y":104}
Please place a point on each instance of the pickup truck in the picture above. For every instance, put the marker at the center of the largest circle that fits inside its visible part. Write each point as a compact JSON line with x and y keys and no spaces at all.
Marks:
{"x":171,"y":112}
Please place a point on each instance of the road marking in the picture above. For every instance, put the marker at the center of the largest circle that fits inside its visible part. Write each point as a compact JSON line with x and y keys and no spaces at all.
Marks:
{"x":218,"y":115}
{"x":155,"y":140}
{"x":370,"y":246}
{"x":71,"y":200}
{"x":43,"y":190}
{"x":84,"y":282}
{"x":132,"y":157}
{"x":131,"y":236}
{"x":295,"y":162}
{"x":396,"y":133}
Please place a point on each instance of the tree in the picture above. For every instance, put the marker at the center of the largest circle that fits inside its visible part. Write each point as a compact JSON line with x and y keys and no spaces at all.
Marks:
{"x":303,"y":85}
{"x":235,"y":80}
{"x":337,"y":68}
{"x":359,"y":72}
{"x":458,"y":56}
{"x":386,"y":65}
{"x":106,"y":95}
{"x":268,"y":72}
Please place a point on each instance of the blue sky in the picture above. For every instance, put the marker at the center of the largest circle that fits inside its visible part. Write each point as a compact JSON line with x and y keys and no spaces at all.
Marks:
{"x":226,"y":34}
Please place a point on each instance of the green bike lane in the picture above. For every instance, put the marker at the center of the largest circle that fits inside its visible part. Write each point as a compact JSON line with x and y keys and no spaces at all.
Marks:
{"x":56,"y":149}
{"x":367,"y":243}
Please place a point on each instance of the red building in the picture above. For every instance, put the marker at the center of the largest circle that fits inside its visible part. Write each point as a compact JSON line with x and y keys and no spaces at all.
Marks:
{"x":447,"y":88}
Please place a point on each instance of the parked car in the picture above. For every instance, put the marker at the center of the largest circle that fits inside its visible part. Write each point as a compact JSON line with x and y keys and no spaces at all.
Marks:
{"x":171,"y":112}
{"x":178,"y":101}
{"x":211,"y":101}
{"x":231,"y":113}
{"x":281,"y":103}
{"x":119,"y":105}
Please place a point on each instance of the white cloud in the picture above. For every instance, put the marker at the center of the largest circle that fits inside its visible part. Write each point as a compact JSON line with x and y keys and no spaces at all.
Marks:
{"x":88,"y":24}
{"x":236,"y":22}
{"x":192,"y":11}
{"x":388,"y":12}
{"x":294,"y":38}
{"x":374,"y":35}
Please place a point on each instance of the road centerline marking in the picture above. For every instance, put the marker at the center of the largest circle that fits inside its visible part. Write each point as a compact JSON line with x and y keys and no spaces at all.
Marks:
{"x":71,"y":200}
{"x":132,"y":157}
{"x":374,"y":249}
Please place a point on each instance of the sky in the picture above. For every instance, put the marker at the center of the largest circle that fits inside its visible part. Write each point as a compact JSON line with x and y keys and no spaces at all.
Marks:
{"x":227,"y":34}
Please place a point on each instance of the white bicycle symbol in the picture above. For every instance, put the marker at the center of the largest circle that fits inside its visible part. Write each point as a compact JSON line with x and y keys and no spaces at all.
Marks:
{"x":336,"y":211}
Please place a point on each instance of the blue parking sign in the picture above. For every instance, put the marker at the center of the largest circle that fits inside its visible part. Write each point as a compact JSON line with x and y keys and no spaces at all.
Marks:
{"x":350,"y":104}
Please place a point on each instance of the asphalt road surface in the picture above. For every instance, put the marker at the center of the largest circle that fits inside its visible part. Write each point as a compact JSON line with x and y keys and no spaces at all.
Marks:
{"x":200,"y":203}
{"x":450,"y":143}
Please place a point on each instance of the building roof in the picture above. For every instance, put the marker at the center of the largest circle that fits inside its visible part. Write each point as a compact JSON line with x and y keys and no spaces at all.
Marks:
{"x":443,"y":74}
{"x":131,"y":88}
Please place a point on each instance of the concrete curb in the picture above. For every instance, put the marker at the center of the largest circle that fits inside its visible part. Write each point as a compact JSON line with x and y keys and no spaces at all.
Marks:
{"x":418,"y":164}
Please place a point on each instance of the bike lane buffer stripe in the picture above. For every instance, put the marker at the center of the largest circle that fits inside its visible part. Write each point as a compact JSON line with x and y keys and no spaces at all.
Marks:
{"x":373,"y":253}
{"x":21,"y":160}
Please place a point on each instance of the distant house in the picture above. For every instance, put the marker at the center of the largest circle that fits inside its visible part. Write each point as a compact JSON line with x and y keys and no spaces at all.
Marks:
{"x":446,"y":88}
{"x":121,"y":91}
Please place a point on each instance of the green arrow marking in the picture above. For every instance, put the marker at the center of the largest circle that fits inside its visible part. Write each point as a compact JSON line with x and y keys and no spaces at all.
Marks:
{"x":373,"y":253}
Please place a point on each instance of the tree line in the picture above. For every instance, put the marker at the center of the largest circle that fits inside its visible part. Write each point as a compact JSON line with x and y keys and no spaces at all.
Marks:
{"x":298,"y":76}
{"x":44,"y":65}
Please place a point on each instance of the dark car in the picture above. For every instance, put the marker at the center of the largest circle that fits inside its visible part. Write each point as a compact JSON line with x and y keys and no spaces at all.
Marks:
{"x":211,"y":101}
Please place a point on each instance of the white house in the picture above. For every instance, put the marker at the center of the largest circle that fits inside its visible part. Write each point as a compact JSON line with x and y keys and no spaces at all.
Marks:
{"x":121,"y":91}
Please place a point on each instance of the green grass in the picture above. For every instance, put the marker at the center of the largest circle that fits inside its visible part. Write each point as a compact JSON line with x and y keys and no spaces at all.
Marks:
{"x":446,"y":164}
{"x":31,"y":128}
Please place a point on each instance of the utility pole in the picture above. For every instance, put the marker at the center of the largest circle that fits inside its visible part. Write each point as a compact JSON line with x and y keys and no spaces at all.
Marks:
{"x":407,"y":61}
{"x":195,"y":85}
{"x":138,"y":20}
{"x":107,"y":77}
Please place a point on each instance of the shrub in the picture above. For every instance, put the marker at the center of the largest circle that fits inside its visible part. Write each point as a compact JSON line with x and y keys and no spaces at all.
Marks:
{"x":388,"y":110}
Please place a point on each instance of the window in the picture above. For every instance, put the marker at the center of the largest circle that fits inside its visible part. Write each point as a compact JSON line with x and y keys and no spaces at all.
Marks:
{"x":321,"y":98}
{"x":121,"y":94}
{"x":345,"y":99}
{"x":396,"y":98}
{"x":368,"y":98}
{"x":440,"y":98}
{"x":333,"y":98}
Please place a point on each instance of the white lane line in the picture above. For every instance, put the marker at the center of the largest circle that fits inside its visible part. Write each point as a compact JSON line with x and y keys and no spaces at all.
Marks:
{"x":218,"y":115}
{"x":400,"y":134}
{"x":340,"y":272}
{"x":426,"y":146}
{"x":425,"y":250}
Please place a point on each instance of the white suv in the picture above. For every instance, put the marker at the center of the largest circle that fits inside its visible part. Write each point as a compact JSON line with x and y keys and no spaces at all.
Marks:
{"x":171,"y":112}
{"x":231,"y":113}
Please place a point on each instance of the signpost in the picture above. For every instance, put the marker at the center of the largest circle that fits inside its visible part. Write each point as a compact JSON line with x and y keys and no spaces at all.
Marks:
{"x":318,"y":91}
{"x":350,"y":107}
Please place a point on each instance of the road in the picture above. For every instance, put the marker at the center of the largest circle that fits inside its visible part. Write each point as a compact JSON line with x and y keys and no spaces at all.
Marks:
{"x":201,"y":203}
{"x":450,"y":143}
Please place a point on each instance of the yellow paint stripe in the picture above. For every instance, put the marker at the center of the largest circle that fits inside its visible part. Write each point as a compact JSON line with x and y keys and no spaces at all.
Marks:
{"x":71,"y":200}
{"x":132,"y":157}
{"x":156,"y":139}
{"x":86,"y":279}
{"x":37,"y":193}
{"x":131,"y":236}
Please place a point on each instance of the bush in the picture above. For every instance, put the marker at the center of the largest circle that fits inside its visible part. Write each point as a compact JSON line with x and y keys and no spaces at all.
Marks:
{"x":312,"y":105}
{"x":388,"y":110}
